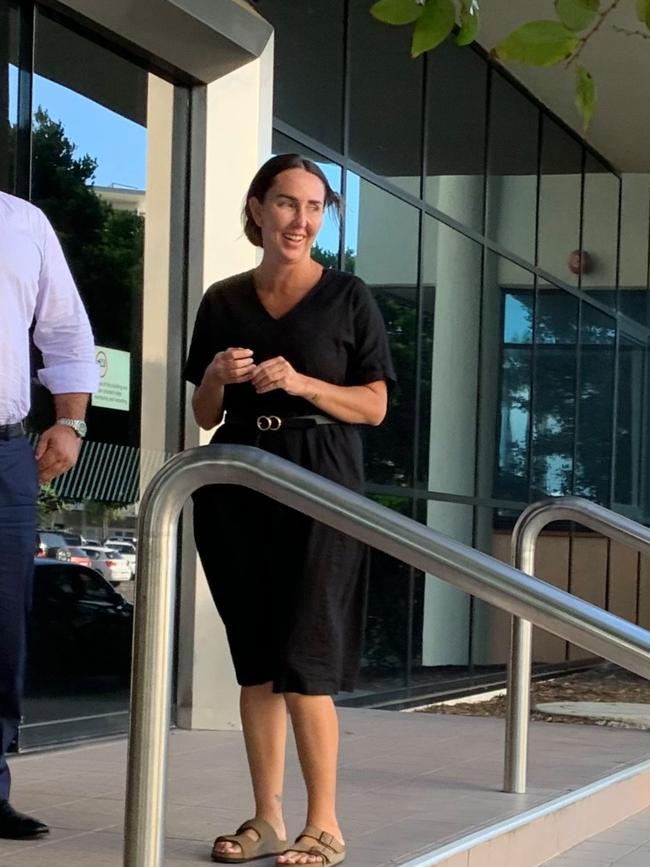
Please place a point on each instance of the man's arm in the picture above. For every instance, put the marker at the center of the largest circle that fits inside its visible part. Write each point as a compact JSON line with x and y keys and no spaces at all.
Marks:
{"x":58,"y":447}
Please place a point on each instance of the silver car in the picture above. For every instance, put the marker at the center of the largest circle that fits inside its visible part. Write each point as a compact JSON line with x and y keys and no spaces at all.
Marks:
{"x":111,"y":564}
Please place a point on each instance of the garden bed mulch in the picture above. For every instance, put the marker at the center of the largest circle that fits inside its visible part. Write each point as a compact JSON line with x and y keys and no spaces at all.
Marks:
{"x":602,"y":683}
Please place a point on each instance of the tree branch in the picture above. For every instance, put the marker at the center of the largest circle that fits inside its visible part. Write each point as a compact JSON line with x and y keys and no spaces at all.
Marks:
{"x":601,"y":19}
{"x":627,"y":32}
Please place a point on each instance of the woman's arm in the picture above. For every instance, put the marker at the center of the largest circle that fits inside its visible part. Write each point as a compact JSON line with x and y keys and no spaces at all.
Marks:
{"x":356,"y":404}
{"x":232,"y":366}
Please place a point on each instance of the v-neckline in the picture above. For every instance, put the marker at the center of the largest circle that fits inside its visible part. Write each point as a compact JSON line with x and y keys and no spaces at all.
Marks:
{"x":308,"y":294}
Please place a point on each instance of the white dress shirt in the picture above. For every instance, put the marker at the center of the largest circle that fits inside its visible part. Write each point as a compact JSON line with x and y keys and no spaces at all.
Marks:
{"x":36,"y":286}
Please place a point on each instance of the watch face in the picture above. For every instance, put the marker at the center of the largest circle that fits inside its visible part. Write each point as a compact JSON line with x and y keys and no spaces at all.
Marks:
{"x":82,"y":428}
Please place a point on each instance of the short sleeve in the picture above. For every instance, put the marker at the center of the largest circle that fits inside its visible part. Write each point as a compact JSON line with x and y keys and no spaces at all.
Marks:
{"x":202,"y":346}
{"x":371,"y":360}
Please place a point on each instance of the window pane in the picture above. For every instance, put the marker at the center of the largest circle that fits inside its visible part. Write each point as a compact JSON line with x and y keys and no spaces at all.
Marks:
{"x":554,"y":386}
{"x":559,"y":201}
{"x":384,"y":655}
{"x":596,"y":395}
{"x":382,"y":237}
{"x":108,"y":140}
{"x":452,"y":265}
{"x":512,"y":168}
{"x":385,"y":99}
{"x":600,"y":231}
{"x":8,"y":94}
{"x":635,"y":233}
{"x":505,"y":380}
{"x":308,"y":58}
{"x":326,"y":248}
{"x":631,"y":448}
{"x":456,"y":102}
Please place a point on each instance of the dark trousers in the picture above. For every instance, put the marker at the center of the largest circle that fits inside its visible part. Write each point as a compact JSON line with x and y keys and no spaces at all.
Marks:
{"x":18,"y":494}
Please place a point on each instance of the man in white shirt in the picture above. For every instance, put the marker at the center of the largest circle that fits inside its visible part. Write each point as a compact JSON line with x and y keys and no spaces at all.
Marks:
{"x":36,"y":287}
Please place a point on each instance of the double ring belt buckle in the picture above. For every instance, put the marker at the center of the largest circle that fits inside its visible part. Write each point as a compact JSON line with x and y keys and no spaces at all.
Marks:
{"x":269,"y":422}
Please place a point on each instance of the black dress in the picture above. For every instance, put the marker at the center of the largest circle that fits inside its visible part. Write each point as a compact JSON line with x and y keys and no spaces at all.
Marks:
{"x":290,"y":590}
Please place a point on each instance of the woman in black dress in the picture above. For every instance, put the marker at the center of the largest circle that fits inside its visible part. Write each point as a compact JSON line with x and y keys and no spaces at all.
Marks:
{"x":295,"y":343}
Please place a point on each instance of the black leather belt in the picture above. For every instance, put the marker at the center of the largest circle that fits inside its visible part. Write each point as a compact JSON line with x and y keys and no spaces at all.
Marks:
{"x":11,"y":431}
{"x":275,"y":422}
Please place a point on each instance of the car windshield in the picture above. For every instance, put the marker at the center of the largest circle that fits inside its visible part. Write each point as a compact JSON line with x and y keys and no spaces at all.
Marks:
{"x":90,"y":552}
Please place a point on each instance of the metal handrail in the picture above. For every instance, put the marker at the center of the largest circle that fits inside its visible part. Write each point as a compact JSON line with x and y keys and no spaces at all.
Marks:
{"x":530,"y":524}
{"x":396,"y":535}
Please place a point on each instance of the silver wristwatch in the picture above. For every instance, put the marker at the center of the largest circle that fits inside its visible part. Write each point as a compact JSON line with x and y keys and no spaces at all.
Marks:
{"x":78,"y":425}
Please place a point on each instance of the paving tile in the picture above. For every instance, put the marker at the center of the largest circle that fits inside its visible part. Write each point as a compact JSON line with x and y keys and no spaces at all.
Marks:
{"x":408,"y":782}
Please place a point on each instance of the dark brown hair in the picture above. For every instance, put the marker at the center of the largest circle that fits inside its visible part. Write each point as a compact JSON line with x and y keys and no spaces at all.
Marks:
{"x":263,"y":181}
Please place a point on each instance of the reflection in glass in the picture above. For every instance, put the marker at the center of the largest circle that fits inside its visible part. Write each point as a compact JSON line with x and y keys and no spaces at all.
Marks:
{"x":452,"y":271}
{"x":456,"y":103}
{"x":308,"y":59}
{"x":600,"y":231}
{"x":505,"y":380}
{"x":385,"y":648}
{"x":596,"y":396}
{"x":631,"y":448}
{"x":512,"y":168}
{"x":554,"y":385}
{"x":633,"y":297}
{"x":382,"y":240}
{"x":95,"y":176}
{"x":8,"y":95}
{"x":326,"y":248}
{"x":560,"y":188}
{"x":385,"y":83}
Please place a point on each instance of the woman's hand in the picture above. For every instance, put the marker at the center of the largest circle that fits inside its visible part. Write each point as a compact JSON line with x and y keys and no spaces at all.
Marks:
{"x":232,"y":366}
{"x":278,"y":373}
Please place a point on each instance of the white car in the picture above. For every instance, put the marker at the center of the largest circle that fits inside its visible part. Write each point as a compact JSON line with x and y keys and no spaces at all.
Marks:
{"x":111,"y":564}
{"x":126,"y":549}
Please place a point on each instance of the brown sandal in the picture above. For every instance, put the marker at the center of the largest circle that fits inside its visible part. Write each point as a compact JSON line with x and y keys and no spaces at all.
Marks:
{"x":267,"y":843}
{"x":327,"y":847}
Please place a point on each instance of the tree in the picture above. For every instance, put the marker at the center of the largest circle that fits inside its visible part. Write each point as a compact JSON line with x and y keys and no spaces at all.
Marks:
{"x":535,"y":43}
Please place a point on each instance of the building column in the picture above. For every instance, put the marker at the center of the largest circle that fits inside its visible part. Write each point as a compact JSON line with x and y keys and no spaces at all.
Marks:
{"x":445,"y":638}
{"x":234,"y":135}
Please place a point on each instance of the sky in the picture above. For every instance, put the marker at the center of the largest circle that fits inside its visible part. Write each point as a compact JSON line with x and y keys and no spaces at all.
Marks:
{"x":119,"y":145}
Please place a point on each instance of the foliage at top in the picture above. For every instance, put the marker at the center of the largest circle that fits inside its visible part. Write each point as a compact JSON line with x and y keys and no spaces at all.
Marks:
{"x":559,"y":40}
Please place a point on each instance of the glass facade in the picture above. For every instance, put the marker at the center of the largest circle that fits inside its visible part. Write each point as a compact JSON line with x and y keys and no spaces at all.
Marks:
{"x":510,"y":263}
{"x":91,"y":137}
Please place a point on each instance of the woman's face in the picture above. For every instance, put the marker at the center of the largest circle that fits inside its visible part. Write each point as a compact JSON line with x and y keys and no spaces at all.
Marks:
{"x":291,"y":214}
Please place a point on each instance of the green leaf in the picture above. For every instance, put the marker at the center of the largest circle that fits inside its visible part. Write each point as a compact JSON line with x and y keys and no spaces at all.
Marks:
{"x":585,"y":95}
{"x":538,"y":43}
{"x":469,"y":23}
{"x":577,"y":14}
{"x":397,"y":11}
{"x":433,"y":26}
{"x":643,"y":11}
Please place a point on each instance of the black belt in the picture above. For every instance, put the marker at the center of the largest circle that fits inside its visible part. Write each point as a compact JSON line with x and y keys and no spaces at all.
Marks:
{"x":11,"y":431}
{"x":275,"y":422}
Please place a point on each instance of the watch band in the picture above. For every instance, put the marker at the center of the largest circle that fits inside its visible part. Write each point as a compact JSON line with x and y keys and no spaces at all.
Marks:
{"x":78,"y":425}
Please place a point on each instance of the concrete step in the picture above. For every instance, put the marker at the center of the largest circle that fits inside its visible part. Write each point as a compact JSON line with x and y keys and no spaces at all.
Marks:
{"x":624,"y":845}
{"x":550,"y":832}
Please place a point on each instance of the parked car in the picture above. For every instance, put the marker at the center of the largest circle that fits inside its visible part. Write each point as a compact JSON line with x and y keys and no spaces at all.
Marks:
{"x":72,"y":539}
{"x":79,"y":556}
{"x":52,"y":545}
{"x":94,"y":543}
{"x":78,"y":624}
{"x":108,"y":563}
{"x":126,"y":549}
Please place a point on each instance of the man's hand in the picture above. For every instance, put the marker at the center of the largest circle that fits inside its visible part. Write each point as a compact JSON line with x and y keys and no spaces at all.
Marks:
{"x":57,"y":450}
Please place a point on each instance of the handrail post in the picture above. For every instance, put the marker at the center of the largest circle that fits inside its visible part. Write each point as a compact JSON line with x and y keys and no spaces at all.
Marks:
{"x":524,"y":543}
